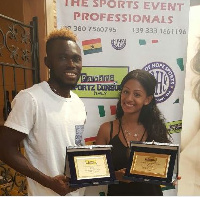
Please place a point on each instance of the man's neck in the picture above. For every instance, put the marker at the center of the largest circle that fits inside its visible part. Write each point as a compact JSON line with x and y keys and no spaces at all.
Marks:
{"x":63,"y":92}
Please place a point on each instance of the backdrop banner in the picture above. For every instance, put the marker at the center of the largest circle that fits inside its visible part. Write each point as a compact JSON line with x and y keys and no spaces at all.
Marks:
{"x":117,"y":36}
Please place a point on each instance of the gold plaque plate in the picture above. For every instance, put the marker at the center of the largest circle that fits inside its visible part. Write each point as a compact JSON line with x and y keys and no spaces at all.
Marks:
{"x":150,"y":164}
{"x":92,"y":166}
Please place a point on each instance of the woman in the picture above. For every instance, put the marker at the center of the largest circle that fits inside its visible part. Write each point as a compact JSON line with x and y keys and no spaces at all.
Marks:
{"x":190,"y":134}
{"x":137,"y":119}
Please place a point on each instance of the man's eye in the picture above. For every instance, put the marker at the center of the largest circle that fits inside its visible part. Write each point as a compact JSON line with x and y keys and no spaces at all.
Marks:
{"x":76,"y":59}
{"x":62,"y":57}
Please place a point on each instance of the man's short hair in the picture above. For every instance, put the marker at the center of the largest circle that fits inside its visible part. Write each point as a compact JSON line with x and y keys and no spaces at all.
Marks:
{"x":62,"y":34}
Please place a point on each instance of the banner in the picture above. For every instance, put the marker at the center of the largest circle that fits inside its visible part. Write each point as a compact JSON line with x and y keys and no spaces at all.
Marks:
{"x":105,"y":84}
{"x":117,"y":36}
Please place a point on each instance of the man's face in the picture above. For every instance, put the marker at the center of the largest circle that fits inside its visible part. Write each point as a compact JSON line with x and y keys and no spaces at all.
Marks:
{"x":65,"y":62}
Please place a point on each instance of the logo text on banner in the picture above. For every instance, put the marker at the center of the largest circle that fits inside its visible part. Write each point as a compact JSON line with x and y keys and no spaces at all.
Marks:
{"x":166,"y":80}
{"x":100,"y":81}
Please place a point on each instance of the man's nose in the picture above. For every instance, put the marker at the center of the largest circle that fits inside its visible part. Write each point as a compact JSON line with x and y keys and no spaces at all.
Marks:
{"x":70,"y":63}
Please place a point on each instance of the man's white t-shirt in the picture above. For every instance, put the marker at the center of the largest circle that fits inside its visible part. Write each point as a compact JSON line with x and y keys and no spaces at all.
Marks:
{"x":51,"y":123}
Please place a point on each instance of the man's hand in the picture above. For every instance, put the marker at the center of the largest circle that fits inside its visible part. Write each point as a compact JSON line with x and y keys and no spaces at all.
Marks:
{"x":60,"y":185}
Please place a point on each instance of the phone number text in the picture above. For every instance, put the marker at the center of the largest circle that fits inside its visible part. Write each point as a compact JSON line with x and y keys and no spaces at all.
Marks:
{"x":92,"y":29}
{"x":151,"y":30}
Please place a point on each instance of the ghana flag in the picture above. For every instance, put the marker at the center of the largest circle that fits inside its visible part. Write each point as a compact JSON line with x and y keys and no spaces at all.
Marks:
{"x":92,"y":46}
{"x":90,"y":140}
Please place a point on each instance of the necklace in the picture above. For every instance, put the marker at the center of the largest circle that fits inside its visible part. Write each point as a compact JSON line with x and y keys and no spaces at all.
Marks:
{"x":56,"y":92}
{"x":128,"y":135}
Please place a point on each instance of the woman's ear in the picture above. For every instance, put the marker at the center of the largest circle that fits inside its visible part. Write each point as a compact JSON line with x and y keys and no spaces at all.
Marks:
{"x":148,"y":100}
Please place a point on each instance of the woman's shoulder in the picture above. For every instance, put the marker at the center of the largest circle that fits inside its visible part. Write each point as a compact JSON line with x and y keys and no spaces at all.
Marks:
{"x":105,"y":130}
{"x":105,"y":125}
{"x":103,"y":135}
{"x":109,"y":123}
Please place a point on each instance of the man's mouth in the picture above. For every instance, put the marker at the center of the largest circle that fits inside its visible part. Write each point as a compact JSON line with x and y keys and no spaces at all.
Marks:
{"x":72,"y":75}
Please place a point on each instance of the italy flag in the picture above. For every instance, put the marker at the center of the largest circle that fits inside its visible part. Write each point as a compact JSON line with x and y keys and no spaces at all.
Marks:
{"x":92,"y":46}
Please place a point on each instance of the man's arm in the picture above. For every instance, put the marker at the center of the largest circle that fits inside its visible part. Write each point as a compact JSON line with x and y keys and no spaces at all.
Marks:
{"x":10,"y":154}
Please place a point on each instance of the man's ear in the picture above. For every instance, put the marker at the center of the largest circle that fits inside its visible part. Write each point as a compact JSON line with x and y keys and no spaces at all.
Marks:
{"x":46,"y":61}
{"x":148,"y":100}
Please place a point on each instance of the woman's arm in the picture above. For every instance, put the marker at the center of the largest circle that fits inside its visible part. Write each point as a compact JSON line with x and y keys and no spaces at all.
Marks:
{"x":103,"y":135}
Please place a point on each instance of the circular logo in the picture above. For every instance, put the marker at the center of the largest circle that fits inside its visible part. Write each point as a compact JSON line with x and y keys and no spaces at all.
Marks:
{"x":165,"y":80}
{"x":118,"y":44}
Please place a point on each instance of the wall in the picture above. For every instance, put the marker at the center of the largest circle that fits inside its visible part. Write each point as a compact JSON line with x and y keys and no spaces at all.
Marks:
{"x":13,"y":9}
{"x":37,"y":8}
{"x":24,"y":11}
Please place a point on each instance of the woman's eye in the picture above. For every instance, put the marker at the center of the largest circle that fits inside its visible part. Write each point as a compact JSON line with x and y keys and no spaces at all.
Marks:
{"x":125,"y":92}
{"x":137,"y":95}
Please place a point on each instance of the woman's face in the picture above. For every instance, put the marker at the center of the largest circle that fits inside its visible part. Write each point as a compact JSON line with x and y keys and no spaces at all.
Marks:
{"x":134,"y":97}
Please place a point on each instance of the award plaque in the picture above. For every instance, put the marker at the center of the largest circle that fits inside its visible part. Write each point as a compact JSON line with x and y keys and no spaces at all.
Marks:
{"x":90,"y":165}
{"x":152,"y":162}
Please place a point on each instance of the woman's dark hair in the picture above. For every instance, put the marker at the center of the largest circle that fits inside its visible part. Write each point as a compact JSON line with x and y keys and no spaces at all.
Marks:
{"x":150,"y":116}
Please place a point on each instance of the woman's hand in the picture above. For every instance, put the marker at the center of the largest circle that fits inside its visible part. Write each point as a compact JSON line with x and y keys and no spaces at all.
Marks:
{"x":120,"y":174}
{"x":175,"y":182}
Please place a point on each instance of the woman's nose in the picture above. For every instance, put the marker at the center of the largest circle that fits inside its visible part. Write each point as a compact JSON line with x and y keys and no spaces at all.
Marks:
{"x":130,"y":97}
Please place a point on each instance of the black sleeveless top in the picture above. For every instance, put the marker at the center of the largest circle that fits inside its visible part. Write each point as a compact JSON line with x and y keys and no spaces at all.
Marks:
{"x":120,"y":160}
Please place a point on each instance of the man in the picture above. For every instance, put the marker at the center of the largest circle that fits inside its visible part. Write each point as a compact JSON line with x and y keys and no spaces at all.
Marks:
{"x":47,"y":117}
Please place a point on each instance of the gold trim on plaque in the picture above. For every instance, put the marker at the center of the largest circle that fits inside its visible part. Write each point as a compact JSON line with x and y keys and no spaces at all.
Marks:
{"x":150,"y":164}
{"x":92,"y":166}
